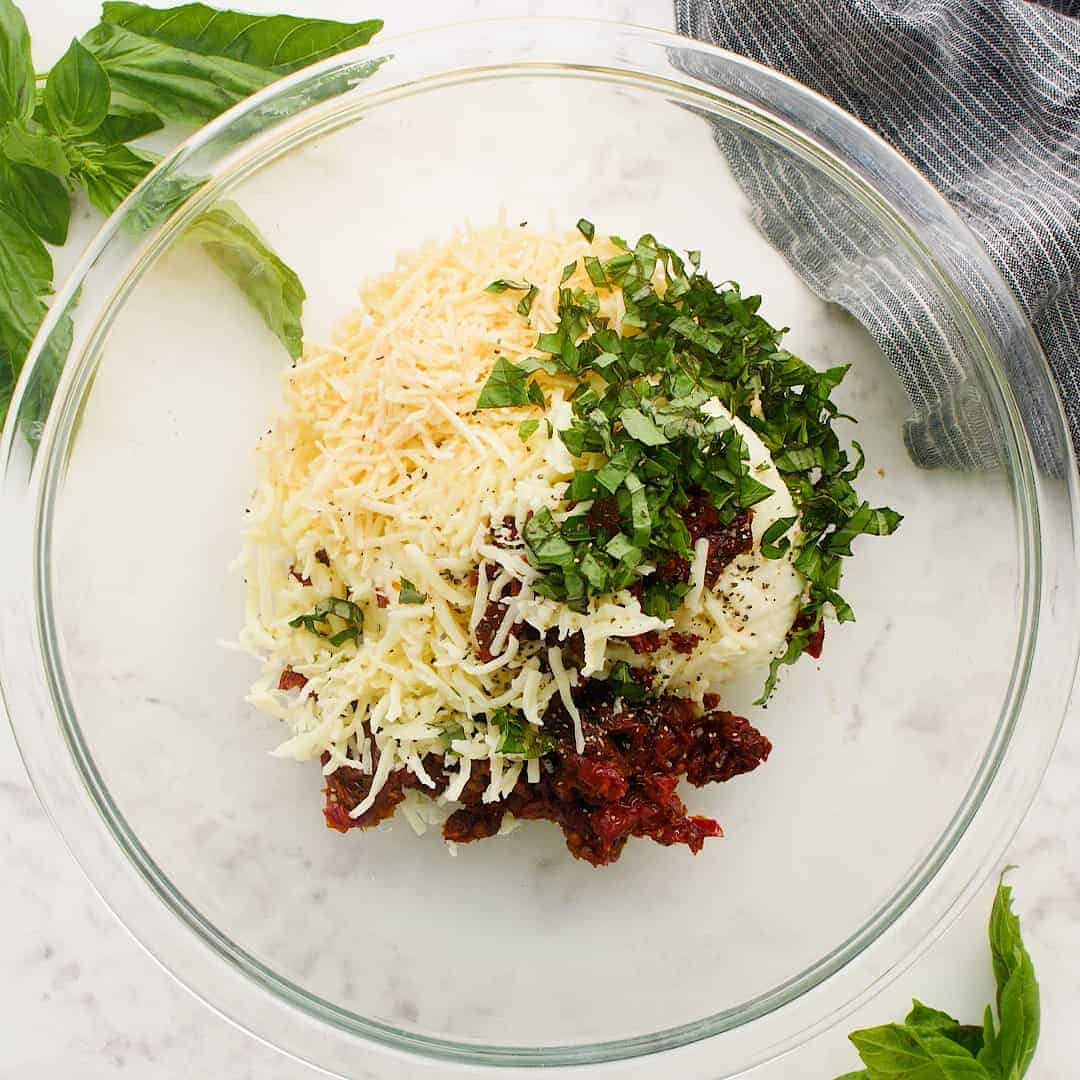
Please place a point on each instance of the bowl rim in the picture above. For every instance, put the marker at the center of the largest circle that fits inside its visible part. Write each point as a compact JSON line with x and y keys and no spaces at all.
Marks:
{"x":48,"y":467}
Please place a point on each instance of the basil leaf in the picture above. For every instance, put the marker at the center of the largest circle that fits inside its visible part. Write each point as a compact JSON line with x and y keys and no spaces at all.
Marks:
{"x":685,"y":327}
{"x":77,"y":92}
{"x":1006,"y":944}
{"x":990,"y":1054}
{"x":927,"y":1019}
{"x":500,"y":285}
{"x":124,"y":125}
{"x":543,"y":541}
{"x":799,"y":459}
{"x":568,"y":272}
{"x":160,"y":199}
{"x":41,"y":387}
{"x":611,"y":476}
{"x":512,"y":732}
{"x":36,"y":148}
{"x":181,"y":85}
{"x":272,"y":288}
{"x":923,"y":1018}
{"x":638,"y":426}
{"x":879,"y":521}
{"x":25,"y":277}
{"x":897,"y":1052}
{"x":539,"y":363}
{"x":595,"y":271}
{"x":749,"y":492}
{"x":38,"y":198}
{"x":281,"y":43}
{"x":526,"y":429}
{"x":109,"y":174}
{"x":526,"y":302}
{"x":318,"y":621}
{"x":1018,"y":989}
{"x":770,"y":549}
{"x":16,"y":65}
{"x":586,"y":228}
{"x":505,"y":387}
{"x":408,"y":593}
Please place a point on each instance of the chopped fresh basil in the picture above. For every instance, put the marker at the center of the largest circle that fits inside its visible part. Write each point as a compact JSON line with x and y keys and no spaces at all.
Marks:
{"x":500,"y":285}
{"x":772,"y":546}
{"x":408,"y":593}
{"x":526,"y":302}
{"x":505,"y":387}
{"x":648,"y":446}
{"x":318,"y":621}
{"x":586,"y":228}
{"x":526,"y":429}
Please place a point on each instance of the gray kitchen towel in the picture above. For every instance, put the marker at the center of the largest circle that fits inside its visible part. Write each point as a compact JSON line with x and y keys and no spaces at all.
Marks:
{"x":983,"y":97}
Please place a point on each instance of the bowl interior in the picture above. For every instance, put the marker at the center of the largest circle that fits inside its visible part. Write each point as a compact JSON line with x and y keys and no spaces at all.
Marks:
{"x":511,"y":942}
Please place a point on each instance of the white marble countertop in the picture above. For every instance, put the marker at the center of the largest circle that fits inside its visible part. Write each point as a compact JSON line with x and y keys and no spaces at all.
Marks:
{"x":80,"y":999}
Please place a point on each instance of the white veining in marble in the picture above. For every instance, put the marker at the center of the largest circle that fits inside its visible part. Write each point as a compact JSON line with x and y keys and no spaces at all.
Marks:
{"x":65,"y":956}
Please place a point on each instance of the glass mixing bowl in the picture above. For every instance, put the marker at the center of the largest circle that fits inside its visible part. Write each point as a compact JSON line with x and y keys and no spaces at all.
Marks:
{"x":901,"y":765}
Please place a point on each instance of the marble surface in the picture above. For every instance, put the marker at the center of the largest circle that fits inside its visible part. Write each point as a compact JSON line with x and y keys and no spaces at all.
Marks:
{"x":65,"y":956}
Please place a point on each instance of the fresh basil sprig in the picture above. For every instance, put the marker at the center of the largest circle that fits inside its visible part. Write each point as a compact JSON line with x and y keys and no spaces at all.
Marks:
{"x":932,"y":1045}
{"x":408,"y":593}
{"x":186,"y":63}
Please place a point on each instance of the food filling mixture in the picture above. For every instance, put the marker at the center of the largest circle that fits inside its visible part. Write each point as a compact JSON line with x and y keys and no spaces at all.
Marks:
{"x":517,"y":526}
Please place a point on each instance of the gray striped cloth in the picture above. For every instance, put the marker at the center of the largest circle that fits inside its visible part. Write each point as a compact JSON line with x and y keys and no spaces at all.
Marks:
{"x":983,"y":97}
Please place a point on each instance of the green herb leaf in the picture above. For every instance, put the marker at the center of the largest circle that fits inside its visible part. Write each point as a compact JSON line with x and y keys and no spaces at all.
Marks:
{"x":595,"y":270}
{"x":526,"y":302}
{"x":772,"y":547}
{"x":323,"y":618}
{"x":124,"y":125}
{"x":281,"y":43}
{"x":687,"y":328}
{"x":109,"y":174}
{"x":568,"y":272}
{"x":638,"y":426}
{"x":652,"y":450}
{"x":879,"y":521}
{"x":587,"y":229}
{"x":41,"y":386}
{"x":25,"y":277}
{"x":898,"y":1052}
{"x":408,"y":593}
{"x":77,"y":92}
{"x":36,"y":148}
{"x":526,"y":429}
{"x":544,"y":542}
{"x":38,"y":198}
{"x":932,"y":1045}
{"x":505,"y":387}
{"x":16,"y":65}
{"x":925,"y":1019}
{"x":500,"y":285}
{"x":272,"y":288}
{"x":1018,"y":990}
{"x":179,"y":84}
{"x":990,"y":1054}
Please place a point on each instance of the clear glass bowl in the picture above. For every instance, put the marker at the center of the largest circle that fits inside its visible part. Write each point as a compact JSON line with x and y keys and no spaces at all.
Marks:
{"x":901,"y":766}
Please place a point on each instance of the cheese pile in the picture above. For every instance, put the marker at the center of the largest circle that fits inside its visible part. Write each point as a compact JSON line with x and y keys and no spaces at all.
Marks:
{"x":378,"y":469}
